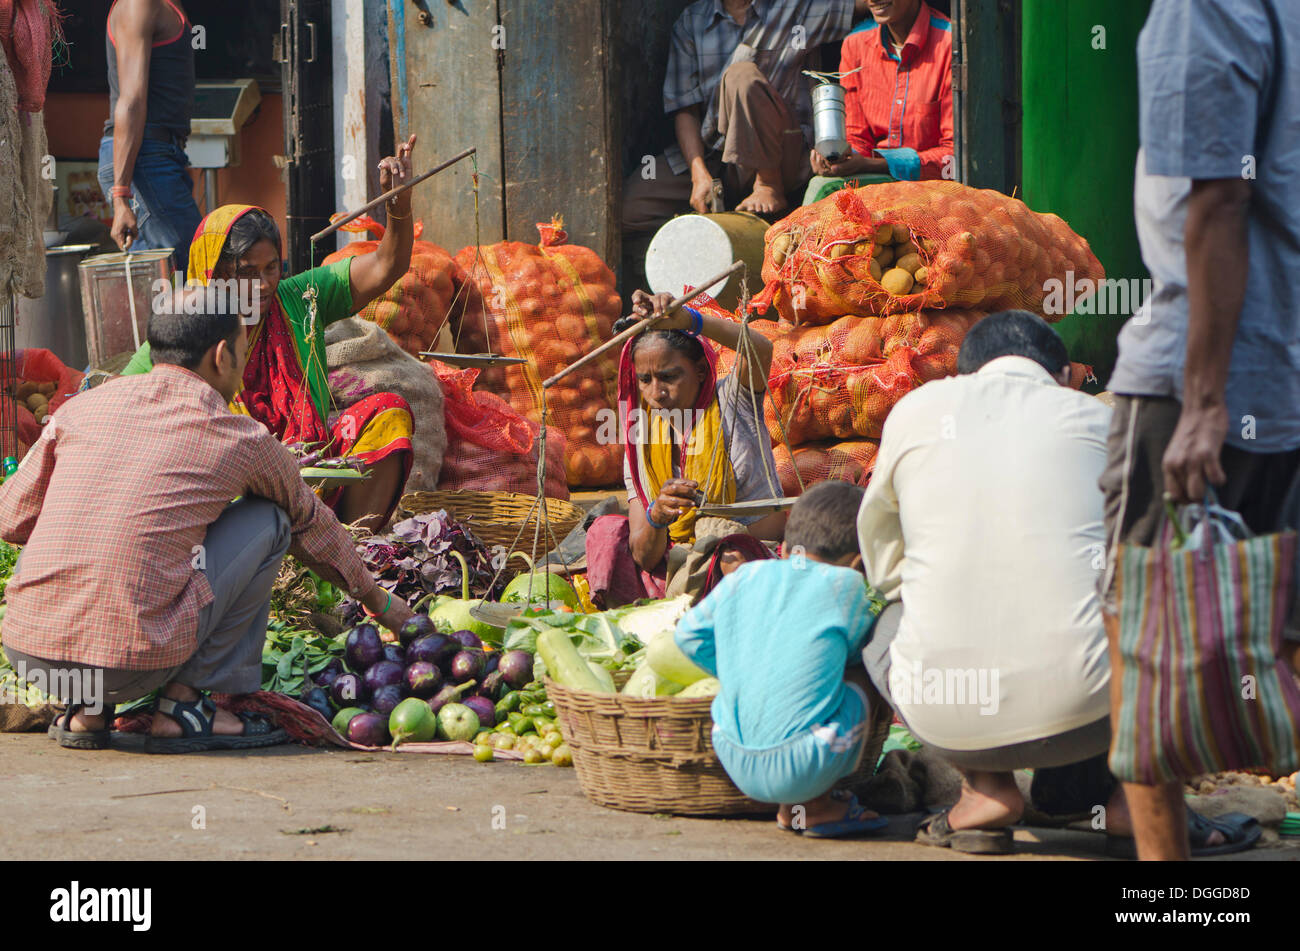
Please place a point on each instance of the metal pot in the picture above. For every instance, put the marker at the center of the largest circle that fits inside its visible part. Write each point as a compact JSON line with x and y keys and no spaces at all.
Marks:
{"x":830,"y":133}
{"x":55,"y":321}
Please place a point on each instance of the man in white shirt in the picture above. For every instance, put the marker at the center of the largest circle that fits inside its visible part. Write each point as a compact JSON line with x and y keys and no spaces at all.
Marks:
{"x":982,"y":526}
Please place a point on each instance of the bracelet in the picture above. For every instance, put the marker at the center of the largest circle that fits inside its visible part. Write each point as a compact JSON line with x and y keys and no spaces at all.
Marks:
{"x":393,"y":217}
{"x":388,"y":604}
{"x":653,"y":523}
{"x":697,"y":322}
{"x":121,"y":191}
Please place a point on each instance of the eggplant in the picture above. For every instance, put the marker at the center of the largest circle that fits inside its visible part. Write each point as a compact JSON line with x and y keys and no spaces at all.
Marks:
{"x":434,"y":648}
{"x":423,"y":679}
{"x":318,"y":700}
{"x":386,"y":698}
{"x":517,"y":668}
{"x":386,"y":673}
{"x":490,"y":662}
{"x":450,"y":693}
{"x":467,"y":665}
{"x":369,"y":729}
{"x":325,"y":679}
{"x":417,"y":627}
{"x":349,"y":690}
{"x":363,"y":647}
{"x":485,"y":708}
{"x":494,"y":686}
{"x":395,"y":653}
{"x":468,"y":639}
{"x":334,"y":668}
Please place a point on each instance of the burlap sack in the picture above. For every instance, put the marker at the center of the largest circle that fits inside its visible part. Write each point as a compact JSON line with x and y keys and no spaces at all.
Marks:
{"x":25,"y":195}
{"x":364,"y":360}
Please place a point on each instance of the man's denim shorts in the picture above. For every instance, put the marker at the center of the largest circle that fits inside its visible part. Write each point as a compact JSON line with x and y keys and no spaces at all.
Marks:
{"x":804,"y":766}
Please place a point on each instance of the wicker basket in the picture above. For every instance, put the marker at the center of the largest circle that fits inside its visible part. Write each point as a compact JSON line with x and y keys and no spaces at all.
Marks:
{"x":498,"y":516}
{"x":656,"y":755}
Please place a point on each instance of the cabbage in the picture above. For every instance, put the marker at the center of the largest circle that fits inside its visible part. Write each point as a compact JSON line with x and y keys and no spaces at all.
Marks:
{"x":646,"y":684}
{"x":667,"y":660}
{"x":708,"y":687}
{"x":644,"y":621}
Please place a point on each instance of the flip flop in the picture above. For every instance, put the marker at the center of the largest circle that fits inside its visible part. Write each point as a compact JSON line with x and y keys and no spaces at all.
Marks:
{"x":1240,"y":832}
{"x":855,"y":822}
{"x":934,"y":830}
{"x":79,"y":739}
{"x":196,"y":718}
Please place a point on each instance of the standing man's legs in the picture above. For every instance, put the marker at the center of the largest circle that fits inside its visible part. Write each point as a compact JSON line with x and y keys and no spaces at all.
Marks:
{"x":166,"y":213}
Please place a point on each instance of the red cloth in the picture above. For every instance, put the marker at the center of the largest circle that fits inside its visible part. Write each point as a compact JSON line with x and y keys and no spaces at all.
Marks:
{"x":906,"y":102}
{"x":612,"y":575}
{"x":28,"y":31}
{"x":275,"y":392}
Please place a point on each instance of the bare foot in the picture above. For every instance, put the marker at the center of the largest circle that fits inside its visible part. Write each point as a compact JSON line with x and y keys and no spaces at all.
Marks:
{"x":766,"y":198}
{"x":1119,"y":821}
{"x":83,"y":722}
{"x":224,"y":724}
{"x":829,"y":807}
{"x":987,"y":803}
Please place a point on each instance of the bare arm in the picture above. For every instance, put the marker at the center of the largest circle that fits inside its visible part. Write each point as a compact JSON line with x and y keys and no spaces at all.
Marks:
{"x":1217,"y":261}
{"x":374,"y":273}
{"x":687,"y":125}
{"x":133,"y":40}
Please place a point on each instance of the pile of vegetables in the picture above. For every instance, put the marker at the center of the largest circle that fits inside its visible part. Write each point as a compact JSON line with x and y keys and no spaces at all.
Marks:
{"x":426,"y":555}
{"x":432,"y":684}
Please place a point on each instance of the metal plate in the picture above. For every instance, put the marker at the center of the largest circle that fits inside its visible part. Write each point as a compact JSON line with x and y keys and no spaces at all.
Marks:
{"x":498,"y":615}
{"x":319,"y":478}
{"x":465,"y":360}
{"x":756,"y":507}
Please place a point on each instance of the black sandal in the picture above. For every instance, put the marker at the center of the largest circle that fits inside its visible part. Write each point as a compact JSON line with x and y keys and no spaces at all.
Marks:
{"x":1240,"y":832}
{"x":935,"y":830}
{"x":71,"y":739}
{"x":195,"y":719}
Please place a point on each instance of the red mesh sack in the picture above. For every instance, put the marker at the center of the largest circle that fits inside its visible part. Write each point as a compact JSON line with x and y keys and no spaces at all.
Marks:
{"x":849,"y":461}
{"x":35,"y":369}
{"x":549,"y":303}
{"x":491,"y":447}
{"x":905,"y":246}
{"x":415,"y":308}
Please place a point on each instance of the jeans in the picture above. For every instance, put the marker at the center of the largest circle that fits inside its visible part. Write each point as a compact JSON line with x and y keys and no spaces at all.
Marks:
{"x":166,"y":213}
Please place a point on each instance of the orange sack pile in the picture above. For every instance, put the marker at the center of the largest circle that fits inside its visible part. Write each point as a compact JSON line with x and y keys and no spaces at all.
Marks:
{"x":415,"y":308}
{"x":907,"y":246}
{"x":848,"y":461}
{"x":549,"y":303}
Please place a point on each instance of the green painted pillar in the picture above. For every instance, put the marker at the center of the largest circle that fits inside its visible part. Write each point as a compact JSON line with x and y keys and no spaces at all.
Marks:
{"x":1080,"y":139}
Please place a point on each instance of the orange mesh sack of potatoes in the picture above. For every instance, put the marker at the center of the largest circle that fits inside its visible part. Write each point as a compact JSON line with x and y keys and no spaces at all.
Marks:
{"x":414,"y":309}
{"x":907,"y":246}
{"x":848,"y":461}
{"x":490,"y":446}
{"x":549,"y":303}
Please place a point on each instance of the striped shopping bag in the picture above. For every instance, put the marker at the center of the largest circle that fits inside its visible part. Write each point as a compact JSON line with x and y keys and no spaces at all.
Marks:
{"x":1200,"y":624}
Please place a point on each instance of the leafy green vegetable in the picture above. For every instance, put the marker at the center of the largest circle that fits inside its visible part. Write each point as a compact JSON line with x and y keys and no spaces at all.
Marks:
{"x":8,"y":558}
{"x":286,"y":651}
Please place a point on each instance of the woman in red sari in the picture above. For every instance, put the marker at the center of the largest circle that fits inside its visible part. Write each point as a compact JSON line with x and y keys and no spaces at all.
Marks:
{"x":285,"y":380}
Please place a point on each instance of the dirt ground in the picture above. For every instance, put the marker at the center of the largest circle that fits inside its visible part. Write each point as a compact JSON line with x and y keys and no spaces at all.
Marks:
{"x":292,"y":802}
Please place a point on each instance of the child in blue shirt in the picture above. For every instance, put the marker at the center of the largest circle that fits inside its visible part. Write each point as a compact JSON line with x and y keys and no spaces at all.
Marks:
{"x":791,"y":718}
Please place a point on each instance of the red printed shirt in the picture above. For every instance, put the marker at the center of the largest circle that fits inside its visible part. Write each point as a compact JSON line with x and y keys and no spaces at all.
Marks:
{"x":112,"y":504}
{"x":901,"y":101}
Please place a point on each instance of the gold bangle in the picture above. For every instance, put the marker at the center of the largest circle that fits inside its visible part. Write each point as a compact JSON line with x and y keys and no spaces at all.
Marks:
{"x":393,"y":217}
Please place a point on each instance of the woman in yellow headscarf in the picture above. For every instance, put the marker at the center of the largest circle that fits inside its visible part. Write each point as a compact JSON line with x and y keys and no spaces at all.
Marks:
{"x":687,"y":435}
{"x":286,"y":387}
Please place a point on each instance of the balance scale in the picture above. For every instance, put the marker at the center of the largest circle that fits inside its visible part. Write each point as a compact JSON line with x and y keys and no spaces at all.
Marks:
{"x":220,"y":110}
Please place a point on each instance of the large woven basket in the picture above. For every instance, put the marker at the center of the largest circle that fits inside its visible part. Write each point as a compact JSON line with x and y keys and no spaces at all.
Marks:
{"x":656,"y":755}
{"x":499,"y":516}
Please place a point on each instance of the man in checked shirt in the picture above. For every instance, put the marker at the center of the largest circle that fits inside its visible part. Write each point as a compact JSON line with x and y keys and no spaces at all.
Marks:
{"x":135,"y":561}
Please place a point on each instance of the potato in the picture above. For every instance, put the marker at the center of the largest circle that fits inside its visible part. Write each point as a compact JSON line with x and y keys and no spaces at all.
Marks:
{"x":903,"y":249}
{"x":884,"y":234}
{"x":863,"y":247}
{"x":926,"y":244}
{"x":911,"y":263}
{"x":897,"y":281}
{"x":35,"y":402}
{"x":781,"y":248}
{"x":876,"y":271}
{"x":841,"y":250}
{"x":921,"y":276}
{"x":882,"y":254}
{"x":25,"y":389}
